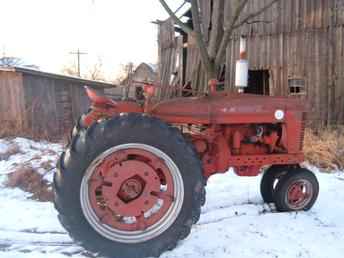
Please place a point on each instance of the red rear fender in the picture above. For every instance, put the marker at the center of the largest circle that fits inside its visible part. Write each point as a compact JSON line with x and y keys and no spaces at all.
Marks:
{"x":99,"y":100}
{"x":108,"y":107}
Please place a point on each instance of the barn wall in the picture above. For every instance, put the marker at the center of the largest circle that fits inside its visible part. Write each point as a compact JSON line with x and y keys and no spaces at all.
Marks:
{"x":293,"y":39}
{"x":304,"y":40}
{"x":40,"y":105}
{"x":293,"y":15}
{"x":53,"y":105}
{"x":12,"y":100}
{"x":287,"y":57}
{"x":167,"y":55}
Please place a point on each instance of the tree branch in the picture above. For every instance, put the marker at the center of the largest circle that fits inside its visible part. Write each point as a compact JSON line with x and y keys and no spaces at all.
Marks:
{"x":258,"y":21}
{"x":228,"y":30}
{"x":180,"y":7}
{"x":199,"y":37}
{"x":217,"y":21}
{"x":182,"y":25}
{"x":234,"y":25}
{"x":255,"y":14}
{"x":237,"y":12}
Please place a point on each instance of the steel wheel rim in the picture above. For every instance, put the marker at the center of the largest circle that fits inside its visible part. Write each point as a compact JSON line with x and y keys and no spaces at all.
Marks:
{"x":299,"y":194}
{"x":134,"y":236}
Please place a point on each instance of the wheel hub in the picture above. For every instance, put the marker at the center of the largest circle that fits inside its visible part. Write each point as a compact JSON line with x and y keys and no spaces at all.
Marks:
{"x":299,"y":194}
{"x":128,"y":187}
{"x":131,"y":190}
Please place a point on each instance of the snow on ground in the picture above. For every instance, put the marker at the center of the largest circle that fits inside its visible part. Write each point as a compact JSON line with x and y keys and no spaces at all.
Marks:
{"x":234,"y":222}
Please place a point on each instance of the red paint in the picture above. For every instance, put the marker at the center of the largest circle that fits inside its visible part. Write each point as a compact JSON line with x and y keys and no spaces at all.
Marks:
{"x":99,"y":100}
{"x":149,"y":89}
{"x":127,"y":183}
{"x":247,"y":171}
{"x":213,"y":85}
{"x":298,"y":194}
{"x":238,"y":130}
{"x":103,"y":107}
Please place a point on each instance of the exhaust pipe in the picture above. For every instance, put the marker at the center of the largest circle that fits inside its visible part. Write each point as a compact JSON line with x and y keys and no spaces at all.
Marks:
{"x":241,"y":71}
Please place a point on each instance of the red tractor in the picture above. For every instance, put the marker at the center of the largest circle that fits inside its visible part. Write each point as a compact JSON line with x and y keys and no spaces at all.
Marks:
{"x":132,"y":180}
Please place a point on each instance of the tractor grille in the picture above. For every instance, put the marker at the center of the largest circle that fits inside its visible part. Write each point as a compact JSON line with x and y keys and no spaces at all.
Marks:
{"x":303,"y":128}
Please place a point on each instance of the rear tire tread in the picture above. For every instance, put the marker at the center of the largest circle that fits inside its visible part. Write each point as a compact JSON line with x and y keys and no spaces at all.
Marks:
{"x":81,"y":148}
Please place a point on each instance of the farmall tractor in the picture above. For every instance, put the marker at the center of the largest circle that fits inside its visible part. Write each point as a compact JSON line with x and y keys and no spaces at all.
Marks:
{"x":132,"y":181}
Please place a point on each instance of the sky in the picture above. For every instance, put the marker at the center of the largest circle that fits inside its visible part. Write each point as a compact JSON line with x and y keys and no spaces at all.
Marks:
{"x":44,"y":32}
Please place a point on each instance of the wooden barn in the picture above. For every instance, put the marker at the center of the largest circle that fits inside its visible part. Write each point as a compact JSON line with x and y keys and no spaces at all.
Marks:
{"x":296,"y":48}
{"x":133,"y":83}
{"x":42,"y":104}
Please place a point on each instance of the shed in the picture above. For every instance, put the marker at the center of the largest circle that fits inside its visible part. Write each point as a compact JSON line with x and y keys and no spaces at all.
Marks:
{"x":144,"y":73}
{"x":296,"y":48}
{"x":43,"y":104}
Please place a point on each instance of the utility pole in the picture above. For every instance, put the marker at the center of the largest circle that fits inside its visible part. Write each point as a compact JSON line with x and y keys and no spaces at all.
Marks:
{"x":78,"y":54}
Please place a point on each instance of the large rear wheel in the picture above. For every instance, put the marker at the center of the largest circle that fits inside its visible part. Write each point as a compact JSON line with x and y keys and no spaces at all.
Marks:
{"x":129,"y":187}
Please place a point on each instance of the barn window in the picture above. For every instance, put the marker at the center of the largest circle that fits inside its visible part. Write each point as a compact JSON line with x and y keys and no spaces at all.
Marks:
{"x":297,"y":86}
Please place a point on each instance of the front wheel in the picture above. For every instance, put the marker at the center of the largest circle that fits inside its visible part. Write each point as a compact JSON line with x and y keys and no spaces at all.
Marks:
{"x":129,"y":187}
{"x":296,"y":191}
{"x":269,"y":180}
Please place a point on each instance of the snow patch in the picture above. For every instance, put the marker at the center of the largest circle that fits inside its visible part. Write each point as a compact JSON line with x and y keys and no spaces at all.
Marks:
{"x":234,"y":222}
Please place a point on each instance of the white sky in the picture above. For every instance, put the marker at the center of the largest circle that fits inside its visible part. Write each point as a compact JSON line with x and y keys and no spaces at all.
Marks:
{"x":43,"y":32}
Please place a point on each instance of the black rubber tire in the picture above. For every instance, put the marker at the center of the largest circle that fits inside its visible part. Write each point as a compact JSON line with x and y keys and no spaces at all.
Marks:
{"x":78,"y":127}
{"x":268,"y":181}
{"x":204,"y":193}
{"x":282,"y":187}
{"x":88,"y":144}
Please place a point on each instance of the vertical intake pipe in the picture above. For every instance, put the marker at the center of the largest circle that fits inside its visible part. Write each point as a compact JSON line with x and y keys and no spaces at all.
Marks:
{"x":241,"y":71}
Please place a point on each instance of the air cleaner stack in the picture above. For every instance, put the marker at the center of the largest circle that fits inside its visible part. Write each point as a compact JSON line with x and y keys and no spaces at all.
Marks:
{"x":241,"y":71}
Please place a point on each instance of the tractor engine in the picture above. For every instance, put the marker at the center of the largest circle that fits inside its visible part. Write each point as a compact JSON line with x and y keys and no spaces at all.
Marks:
{"x":244,"y":147}
{"x":256,"y":139}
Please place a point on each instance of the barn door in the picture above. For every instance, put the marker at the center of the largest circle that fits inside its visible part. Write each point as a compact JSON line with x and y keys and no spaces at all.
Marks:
{"x":258,"y":82}
{"x":64,"y":108}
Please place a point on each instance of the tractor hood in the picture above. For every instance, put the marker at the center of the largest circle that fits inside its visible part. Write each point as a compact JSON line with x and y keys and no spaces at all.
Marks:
{"x":229,"y":108}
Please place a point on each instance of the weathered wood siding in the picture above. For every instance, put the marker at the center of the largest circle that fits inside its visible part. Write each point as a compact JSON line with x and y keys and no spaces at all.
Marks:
{"x":12,"y":108}
{"x":293,"y":15}
{"x":53,"y":106}
{"x":167,"y":56}
{"x":298,"y":39}
{"x":293,"y":39}
{"x":42,"y":106}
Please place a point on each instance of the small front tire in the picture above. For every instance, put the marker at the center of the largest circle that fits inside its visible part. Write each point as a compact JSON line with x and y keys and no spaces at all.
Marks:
{"x":296,"y":191}
{"x":268,"y":181}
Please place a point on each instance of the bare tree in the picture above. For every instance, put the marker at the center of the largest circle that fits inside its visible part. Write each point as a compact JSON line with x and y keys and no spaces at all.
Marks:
{"x":96,"y":71}
{"x":227,"y":16}
{"x":123,"y":73}
{"x":70,"y":69}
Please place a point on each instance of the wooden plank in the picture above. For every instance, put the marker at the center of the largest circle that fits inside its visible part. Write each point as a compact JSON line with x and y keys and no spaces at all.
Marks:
{"x":12,"y":109}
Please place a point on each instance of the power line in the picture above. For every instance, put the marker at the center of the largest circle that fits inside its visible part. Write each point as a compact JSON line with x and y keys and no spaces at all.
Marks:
{"x":78,"y":54}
